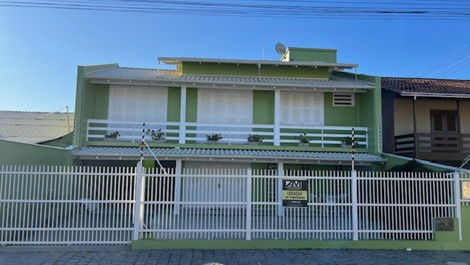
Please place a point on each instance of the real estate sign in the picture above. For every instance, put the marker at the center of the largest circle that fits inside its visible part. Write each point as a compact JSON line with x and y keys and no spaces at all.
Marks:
{"x":466,"y":190}
{"x":294,"y":193}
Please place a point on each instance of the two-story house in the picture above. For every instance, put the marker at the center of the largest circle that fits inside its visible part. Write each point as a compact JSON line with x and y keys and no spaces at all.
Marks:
{"x":427,"y":118}
{"x":301,"y":112}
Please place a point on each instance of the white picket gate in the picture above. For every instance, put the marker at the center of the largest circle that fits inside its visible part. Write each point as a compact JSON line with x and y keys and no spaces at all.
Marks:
{"x":112,"y":205}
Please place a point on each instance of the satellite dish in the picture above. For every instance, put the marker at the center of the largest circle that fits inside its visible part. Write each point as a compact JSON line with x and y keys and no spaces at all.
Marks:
{"x":280,"y":48}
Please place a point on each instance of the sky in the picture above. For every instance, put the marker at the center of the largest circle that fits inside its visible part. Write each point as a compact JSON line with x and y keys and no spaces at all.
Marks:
{"x":41,"y":48}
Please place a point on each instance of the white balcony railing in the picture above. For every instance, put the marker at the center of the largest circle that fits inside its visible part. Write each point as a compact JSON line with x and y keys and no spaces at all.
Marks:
{"x":169,"y":132}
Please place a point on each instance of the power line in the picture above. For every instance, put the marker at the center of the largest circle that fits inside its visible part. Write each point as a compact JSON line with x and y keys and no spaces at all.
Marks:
{"x":266,"y":8}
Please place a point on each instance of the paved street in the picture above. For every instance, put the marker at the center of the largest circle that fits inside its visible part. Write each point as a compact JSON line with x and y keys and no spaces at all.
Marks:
{"x":123,"y":255}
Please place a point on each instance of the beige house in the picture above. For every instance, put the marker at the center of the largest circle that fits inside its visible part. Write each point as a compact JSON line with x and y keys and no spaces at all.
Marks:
{"x":427,"y":118}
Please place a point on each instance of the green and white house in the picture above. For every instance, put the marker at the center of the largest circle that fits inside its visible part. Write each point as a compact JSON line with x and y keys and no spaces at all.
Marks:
{"x":299,"y":112}
{"x":231,"y":135}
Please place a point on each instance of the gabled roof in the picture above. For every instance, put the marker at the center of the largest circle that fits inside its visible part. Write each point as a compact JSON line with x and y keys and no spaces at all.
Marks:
{"x":222,"y":154}
{"x":178,"y":60}
{"x":171,"y":77}
{"x":34,"y":127}
{"x":427,"y":86}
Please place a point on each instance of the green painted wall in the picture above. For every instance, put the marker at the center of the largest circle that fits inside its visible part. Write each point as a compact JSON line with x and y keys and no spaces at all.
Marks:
{"x":309,"y":54}
{"x":173,"y":104}
{"x":191,"y":104}
{"x":263,"y":107}
{"x":369,"y":110}
{"x":341,"y":115}
{"x":90,"y":101}
{"x":14,"y":153}
{"x":253,"y":70}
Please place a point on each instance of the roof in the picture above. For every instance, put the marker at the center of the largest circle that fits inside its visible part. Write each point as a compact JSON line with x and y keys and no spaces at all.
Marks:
{"x":94,"y":152}
{"x":34,"y":127}
{"x":178,"y":60}
{"x":170,"y":77}
{"x":427,"y":86}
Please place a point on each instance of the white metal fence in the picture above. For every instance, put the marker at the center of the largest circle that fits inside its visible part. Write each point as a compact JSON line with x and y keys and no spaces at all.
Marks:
{"x":93,"y":205}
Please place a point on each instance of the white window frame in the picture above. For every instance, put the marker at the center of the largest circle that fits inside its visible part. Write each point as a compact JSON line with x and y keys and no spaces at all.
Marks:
{"x":321,"y":108}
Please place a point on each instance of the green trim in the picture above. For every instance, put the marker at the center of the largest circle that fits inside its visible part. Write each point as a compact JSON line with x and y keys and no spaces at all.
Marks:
{"x":191,"y":104}
{"x":173,"y":104}
{"x":299,"y":244}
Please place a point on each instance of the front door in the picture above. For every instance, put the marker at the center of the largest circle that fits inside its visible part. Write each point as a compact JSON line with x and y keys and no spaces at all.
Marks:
{"x":444,"y":131}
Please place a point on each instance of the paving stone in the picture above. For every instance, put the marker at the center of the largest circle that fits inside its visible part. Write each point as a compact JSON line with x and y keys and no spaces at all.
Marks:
{"x":118,"y":256}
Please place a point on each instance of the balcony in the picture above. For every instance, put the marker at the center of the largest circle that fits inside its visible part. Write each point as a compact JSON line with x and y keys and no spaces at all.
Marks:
{"x":231,"y":134}
{"x":433,"y":146}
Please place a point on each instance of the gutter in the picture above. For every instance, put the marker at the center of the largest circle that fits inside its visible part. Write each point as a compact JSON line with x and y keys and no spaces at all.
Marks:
{"x":434,"y":95}
{"x":428,"y":163}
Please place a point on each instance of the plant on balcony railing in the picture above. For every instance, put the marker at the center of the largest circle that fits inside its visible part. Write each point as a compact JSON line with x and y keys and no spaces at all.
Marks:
{"x":111,"y":136}
{"x":347,"y":142}
{"x":214,"y":138}
{"x":156,"y":135}
{"x":303,"y":141}
{"x":255,"y":139}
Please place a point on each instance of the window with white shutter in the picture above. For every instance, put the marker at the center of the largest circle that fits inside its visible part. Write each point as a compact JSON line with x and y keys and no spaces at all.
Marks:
{"x":343,"y":99}
{"x":224,"y":107}
{"x":137,"y":104}
{"x":219,"y":106}
{"x":301,"y":108}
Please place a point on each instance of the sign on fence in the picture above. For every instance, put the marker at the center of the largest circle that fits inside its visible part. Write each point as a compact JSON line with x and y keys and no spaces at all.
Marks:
{"x":294,"y":193}
{"x":466,"y":190}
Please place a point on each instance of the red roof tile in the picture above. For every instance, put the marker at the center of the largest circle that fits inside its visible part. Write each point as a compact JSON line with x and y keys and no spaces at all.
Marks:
{"x":426,"y":85}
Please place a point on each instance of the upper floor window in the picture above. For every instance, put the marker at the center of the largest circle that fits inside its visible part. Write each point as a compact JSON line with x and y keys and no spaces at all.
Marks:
{"x":301,"y":108}
{"x":137,"y":103}
{"x":221,"y":106}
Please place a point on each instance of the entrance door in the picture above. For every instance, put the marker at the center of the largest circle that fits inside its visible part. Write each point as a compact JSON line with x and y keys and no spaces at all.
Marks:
{"x":444,"y":131}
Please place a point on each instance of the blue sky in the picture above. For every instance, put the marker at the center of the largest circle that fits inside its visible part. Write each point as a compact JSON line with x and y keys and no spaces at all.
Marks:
{"x":40,"y":49}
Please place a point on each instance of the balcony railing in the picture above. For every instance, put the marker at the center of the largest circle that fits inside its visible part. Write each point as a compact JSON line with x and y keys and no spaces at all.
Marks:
{"x":232,"y":134}
{"x":411,"y":144}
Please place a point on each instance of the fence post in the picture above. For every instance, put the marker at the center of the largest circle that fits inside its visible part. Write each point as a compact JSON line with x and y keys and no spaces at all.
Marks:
{"x":182,"y":125}
{"x":248,"y":204}
{"x":178,"y":171}
{"x":139,"y":198}
{"x":458,"y":203}
{"x":354,"y":204}
{"x":280,"y":174}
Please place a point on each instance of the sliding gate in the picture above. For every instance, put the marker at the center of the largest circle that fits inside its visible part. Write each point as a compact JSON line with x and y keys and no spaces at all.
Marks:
{"x":110,"y":205}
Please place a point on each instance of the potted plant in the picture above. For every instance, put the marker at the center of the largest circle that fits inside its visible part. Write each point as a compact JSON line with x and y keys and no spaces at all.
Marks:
{"x":156,"y":135}
{"x":303,"y":141}
{"x":254,"y":139}
{"x":111,"y":136}
{"x":347,"y":142}
{"x":214,"y":138}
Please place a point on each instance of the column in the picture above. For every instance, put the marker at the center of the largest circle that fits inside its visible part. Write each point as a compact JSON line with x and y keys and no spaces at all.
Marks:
{"x":178,"y":171}
{"x":182,"y":130}
{"x":277,"y":117}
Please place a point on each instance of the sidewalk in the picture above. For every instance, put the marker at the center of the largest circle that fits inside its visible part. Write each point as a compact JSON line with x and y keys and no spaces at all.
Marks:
{"x":95,"y":255}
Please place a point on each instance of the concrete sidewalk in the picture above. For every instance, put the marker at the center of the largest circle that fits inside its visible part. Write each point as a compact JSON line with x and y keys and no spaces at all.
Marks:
{"x":94,"y":255}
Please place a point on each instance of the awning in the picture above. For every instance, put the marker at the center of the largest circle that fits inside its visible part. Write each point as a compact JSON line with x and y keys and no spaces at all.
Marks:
{"x":261,"y":156}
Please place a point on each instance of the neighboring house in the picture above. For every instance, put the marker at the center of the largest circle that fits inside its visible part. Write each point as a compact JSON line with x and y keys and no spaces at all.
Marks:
{"x":46,"y":128}
{"x":306,"y":92}
{"x":427,"y":118}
